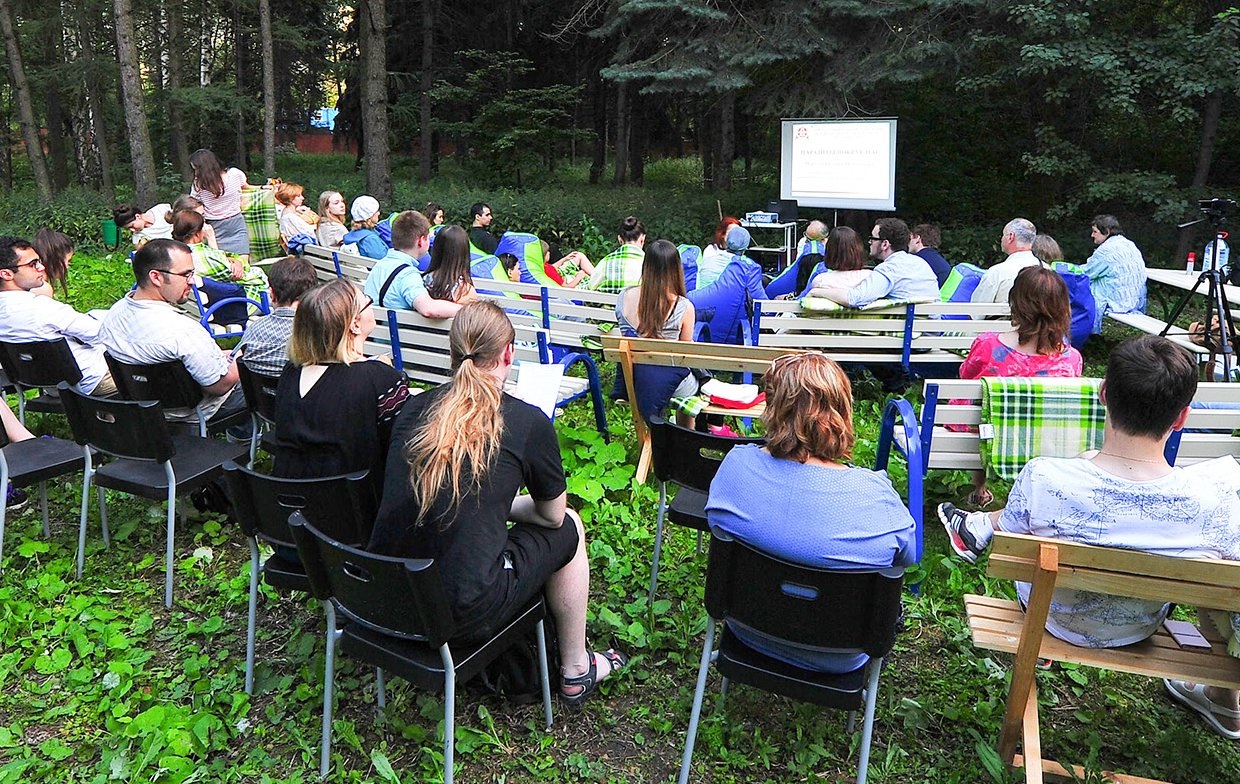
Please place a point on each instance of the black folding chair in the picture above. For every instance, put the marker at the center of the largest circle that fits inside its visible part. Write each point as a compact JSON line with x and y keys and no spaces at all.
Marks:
{"x":399,"y":620}
{"x":260,"y":401}
{"x":171,"y":385}
{"x":36,"y":460}
{"x":688,"y":459}
{"x":149,"y":461}
{"x":39,"y":365}
{"x":344,"y":506}
{"x":837,"y":611}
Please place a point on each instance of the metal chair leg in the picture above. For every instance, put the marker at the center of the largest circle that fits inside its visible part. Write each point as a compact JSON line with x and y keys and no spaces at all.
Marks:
{"x":88,"y":473}
{"x":687,"y":760}
{"x":380,"y":689}
{"x":329,"y":677}
{"x":103,"y":517}
{"x":449,"y":713}
{"x":658,"y":545}
{"x":249,"y":629}
{"x":171,"y":533}
{"x":542,"y":671}
{"x":867,"y":724}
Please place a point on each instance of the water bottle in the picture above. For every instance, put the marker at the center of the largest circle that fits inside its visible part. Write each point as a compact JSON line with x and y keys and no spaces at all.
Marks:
{"x":1207,"y":258}
{"x":1191,"y":267}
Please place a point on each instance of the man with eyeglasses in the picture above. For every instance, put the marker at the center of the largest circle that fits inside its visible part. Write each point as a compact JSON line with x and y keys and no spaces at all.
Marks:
{"x":27,"y":317}
{"x":146,"y":327}
{"x":1016,"y":242}
{"x":899,"y":275}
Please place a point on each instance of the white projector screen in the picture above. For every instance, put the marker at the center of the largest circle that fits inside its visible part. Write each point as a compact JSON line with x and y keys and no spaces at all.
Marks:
{"x":839,"y":164}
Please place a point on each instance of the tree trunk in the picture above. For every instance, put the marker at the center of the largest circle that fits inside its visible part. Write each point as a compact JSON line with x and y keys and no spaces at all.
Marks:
{"x":25,"y":108}
{"x":373,"y":24}
{"x":6,"y":145}
{"x":727,"y":141}
{"x":57,"y":150}
{"x":598,"y":110}
{"x":426,"y":81}
{"x":706,"y":147}
{"x":176,"y":82}
{"x":242,"y":152}
{"x":269,"y":87}
{"x":145,"y":186}
{"x":1205,"y":157}
{"x":637,"y":146}
{"x":94,"y":103}
{"x":622,"y":133}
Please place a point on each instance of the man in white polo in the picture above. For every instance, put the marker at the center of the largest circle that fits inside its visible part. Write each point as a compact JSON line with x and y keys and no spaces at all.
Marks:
{"x":146,"y":327}
{"x":26,"y":317}
{"x":1016,"y":242}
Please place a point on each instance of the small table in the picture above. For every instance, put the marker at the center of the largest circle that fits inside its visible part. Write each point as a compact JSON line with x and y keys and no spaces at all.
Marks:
{"x":1185,"y":281}
{"x":788,"y":249}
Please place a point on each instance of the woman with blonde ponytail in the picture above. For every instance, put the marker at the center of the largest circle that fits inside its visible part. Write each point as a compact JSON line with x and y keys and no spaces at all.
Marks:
{"x":460,"y":456}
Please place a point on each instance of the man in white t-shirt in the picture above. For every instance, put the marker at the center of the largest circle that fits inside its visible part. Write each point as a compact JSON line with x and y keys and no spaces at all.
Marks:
{"x":146,"y":327}
{"x":1125,"y":495}
{"x":146,"y":226}
{"x":1016,"y":242}
{"x":26,"y":317}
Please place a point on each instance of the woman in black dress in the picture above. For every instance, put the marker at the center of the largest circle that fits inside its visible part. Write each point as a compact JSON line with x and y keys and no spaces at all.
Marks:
{"x":334,"y":406}
{"x":460,"y":456}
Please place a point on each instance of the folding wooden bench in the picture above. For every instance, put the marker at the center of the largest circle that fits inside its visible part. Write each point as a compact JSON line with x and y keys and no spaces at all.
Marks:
{"x":999,"y":624}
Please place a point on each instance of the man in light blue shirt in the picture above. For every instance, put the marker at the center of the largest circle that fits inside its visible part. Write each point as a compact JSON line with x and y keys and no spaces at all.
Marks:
{"x":395,"y":282}
{"x":1116,"y":270}
{"x":899,"y":275}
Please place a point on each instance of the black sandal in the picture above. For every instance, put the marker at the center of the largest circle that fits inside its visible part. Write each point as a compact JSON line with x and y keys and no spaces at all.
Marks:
{"x":589,"y":680}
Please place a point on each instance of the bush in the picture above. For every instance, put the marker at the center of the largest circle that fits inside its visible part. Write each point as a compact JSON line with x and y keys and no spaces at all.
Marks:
{"x":76,"y":212}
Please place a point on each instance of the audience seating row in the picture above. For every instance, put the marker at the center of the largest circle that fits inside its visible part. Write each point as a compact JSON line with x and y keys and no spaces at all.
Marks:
{"x":923,"y":334}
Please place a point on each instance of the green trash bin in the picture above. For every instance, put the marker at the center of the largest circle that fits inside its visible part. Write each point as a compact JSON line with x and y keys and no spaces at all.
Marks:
{"x":111,"y":234}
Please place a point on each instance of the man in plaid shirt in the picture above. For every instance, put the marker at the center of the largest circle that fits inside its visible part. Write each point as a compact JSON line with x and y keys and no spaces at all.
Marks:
{"x":622,"y":268}
{"x":264,"y":345}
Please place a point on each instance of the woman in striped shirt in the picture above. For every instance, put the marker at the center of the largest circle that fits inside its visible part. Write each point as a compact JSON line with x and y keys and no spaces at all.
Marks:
{"x":219,"y":190}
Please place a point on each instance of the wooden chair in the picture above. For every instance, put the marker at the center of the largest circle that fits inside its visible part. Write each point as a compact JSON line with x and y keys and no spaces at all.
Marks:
{"x":1047,"y":564}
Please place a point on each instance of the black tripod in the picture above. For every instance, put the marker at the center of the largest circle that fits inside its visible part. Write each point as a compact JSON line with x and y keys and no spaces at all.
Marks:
{"x":1218,"y":309}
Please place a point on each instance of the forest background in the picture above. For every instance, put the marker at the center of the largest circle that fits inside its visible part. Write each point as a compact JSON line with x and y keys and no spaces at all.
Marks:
{"x":1051,"y":110}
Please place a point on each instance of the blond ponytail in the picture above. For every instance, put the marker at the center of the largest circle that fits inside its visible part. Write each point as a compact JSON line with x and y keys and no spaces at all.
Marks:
{"x":462,"y":428}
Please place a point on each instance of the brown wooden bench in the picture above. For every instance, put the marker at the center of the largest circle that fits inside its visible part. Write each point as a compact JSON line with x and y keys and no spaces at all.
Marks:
{"x":715,"y":357}
{"x":1047,"y":564}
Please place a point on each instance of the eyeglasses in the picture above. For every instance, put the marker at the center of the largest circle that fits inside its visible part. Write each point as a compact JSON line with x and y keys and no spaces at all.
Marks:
{"x":31,"y":263}
{"x":187,"y":274}
{"x":365,"y":307}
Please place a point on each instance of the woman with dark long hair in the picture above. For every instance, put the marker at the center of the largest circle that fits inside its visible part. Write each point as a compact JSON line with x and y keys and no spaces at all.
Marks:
{"x":658,"y":308}
{"x":461,"y":455}
{"x":219,"y":190}
{"x":845,"y":263}
{"x":448,"y":276}
{"x":56,"y":251}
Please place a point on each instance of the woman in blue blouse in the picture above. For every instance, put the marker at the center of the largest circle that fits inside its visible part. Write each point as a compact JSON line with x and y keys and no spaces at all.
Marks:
{"x":797,"y":499}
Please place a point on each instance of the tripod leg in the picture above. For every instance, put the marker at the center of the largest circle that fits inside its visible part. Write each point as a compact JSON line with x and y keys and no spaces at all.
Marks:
{"x":1188,"y":295}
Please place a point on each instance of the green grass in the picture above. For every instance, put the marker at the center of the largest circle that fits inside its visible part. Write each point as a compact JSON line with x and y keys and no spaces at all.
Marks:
{"x":100,"y":683}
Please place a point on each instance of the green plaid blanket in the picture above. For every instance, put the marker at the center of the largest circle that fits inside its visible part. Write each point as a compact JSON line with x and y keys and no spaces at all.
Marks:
{"x":1024,"y":418}
{"x":689,"y":406}
{"x":259,"y":209}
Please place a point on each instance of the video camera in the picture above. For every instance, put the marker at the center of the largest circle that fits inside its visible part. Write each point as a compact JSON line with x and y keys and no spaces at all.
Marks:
{"x":1217,"y":210}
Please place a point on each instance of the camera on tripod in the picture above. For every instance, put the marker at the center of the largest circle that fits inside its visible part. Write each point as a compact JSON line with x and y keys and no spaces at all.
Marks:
{"x":1217,"y":210}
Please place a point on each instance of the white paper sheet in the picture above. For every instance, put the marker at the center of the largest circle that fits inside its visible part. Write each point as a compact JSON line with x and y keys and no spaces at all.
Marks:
{"x":539,"y":385}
